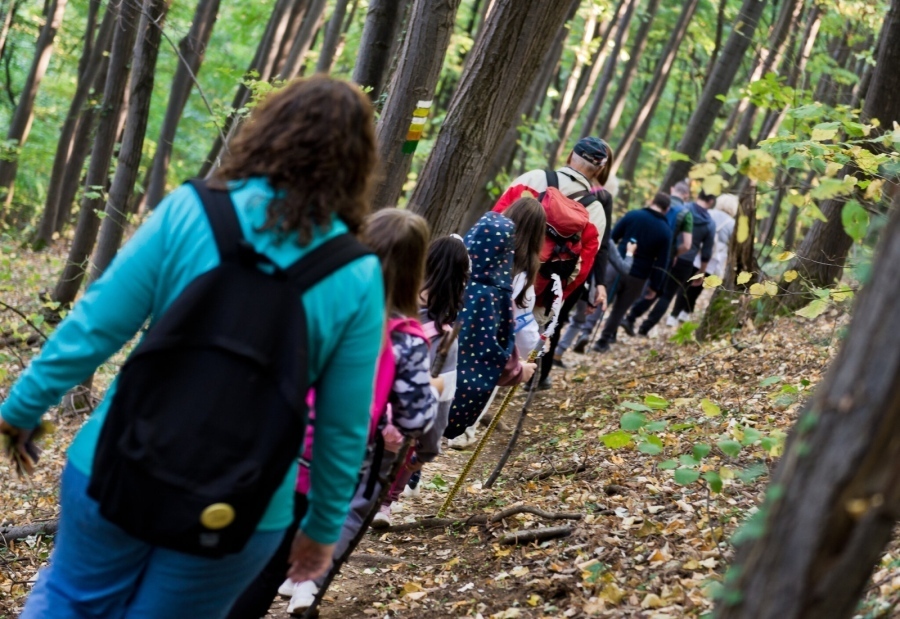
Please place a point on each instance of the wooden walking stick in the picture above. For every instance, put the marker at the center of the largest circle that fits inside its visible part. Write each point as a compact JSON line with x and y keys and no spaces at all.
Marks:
{"x":557,"y":304}
{"x":386,"y":483}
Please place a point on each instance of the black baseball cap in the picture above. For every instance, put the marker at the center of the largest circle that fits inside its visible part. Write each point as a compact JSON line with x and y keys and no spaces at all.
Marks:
{"x":593,"y":150}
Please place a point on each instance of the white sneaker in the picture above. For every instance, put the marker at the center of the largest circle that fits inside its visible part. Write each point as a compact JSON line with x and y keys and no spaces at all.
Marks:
{"x":382,"y":518}
{"x":304,"y":595}
{"x":671,"y":321}
{"x":464,"y":440}
{"x":286,"y":590}
{"x":412,"y":493}
{"x":684,"y":316}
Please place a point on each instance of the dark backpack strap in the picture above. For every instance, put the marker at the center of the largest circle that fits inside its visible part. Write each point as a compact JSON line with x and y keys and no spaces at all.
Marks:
{"x":224,"y":222}
{"x":552,"y":179}
{"x":325,"y":260}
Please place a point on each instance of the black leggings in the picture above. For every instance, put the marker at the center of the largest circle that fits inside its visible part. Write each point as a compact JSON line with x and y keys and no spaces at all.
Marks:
{"x":257,"y":598}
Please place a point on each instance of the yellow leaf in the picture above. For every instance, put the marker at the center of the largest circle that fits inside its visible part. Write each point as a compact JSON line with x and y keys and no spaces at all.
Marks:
{"x":713,"y":155}
{"x":842,"y":294}
{"x":710,"y":408}
{"x":502,"y":552}
{"x":771,"y":288}
{"x":744,"y":277}
{"x":696,"y":277}
{"x":702,"y":170}
{"x":410,"y":587}
{"x":712,"y":281}
{"x":742,"y":153}
{"x":796,"y":199}
{"x":743,"y":229}
{"x":757,"y":290}
{"x":612,"y":593}
{"x":534,"y":600}
{"x":833,"y":168}
{"x":692,"y":564}
{"x":790,"y":276}
{"x":651,"y":600}
{"x":762,"y":166}
{"x":784,"y":256}
{"x":873,"y":191}
{"x":713,"y":184}
{"x":519,"y":571}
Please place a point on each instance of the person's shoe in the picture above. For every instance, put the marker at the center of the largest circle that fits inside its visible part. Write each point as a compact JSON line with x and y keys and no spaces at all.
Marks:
{"x":628,"y":326}
{"x":303,"y":597}
{"x":581,"y":344}
{"x":412,"y":492}
{"x":684,"y":316}
{"x":286,"y":590}
{"x":601,"y":346}
{"x":545,"y":385}
{"x":382,"y":519}
{"x":558,"y":362}
{"x":671,"y":321}
{"x":464,"y":440}
{"x":644,"y":334}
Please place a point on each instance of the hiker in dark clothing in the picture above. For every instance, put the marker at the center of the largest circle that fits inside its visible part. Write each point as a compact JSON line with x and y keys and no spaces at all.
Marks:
{"x":703,"y":241}
{"x":649,"y":228}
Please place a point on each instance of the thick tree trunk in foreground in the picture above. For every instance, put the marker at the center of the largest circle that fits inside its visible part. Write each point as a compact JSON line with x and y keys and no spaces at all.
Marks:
{"x":20,"y":124}
{"x":654,"y":90}
{"x":484,"y":106}
{"x":332,"y":37}
{"x":720,"y":81}
{"x":193,"y":49}
{"x":382,"y":27}
{"x":415,"y":80}
{"x":118,"y":204}
{"x":835,"y":496}
{"x":101,"y":153}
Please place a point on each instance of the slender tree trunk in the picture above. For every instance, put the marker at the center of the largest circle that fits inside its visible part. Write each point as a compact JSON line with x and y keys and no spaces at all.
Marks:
{"x":381,"y":29}
{"x":767,"y":234}
{"x":8,"y":19}
{"x":117,"y":208}
{"x":654,"y":90}
{"x":617,"y":105}
{"x":91,"y":65}
{"x":484,"y":107}
{"x":332,"y":37}
{"x":710,"y":104}
{"x":101,"y":153}
{"x":717,"y":46}
{"x":193,"y":49}
{"x":475,"y":9}
{"x":584,"y":57}
{"x":304,"y":40}
{"x":20,"y":125}
{"x":295,"y":17}
{"x":415,"y":80}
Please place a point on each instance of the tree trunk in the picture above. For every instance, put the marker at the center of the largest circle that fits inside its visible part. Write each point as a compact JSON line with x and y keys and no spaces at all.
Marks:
{"x":717,"y":46}
{"x":834,"y":498}
{"x":704,"y":116}
{"x":91,"y":65}
{"x":484,"y":107}
{"x":20,"y":124}
{"x":584,"y":57}
{"x":101,"y":153}
{"x":415,"y":80}
{"x":304,"y":40}
{"x":609,"y":71}
{"x":381,"y":29}
{"x":295,"y":17}
{"x":332,"y":37}
{"x":8,"y":19}
{"x":118,"y":208}
{"x":617,"y":105}
{"x":193,"y":49}
{"x":654,"y":90}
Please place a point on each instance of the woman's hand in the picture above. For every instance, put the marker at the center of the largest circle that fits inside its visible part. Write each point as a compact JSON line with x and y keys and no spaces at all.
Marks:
{"x":630,"y":248}
{"x":393,"y":439}
{"x":528,"y":371}
{"x":309,"y":559}
{"x":438,"y":383}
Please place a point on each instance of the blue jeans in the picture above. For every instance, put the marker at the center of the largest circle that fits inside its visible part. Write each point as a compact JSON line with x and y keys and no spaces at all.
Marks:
{"x":99,"y":571}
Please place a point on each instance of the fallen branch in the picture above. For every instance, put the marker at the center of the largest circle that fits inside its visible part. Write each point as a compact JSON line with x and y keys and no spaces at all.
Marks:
{"x":479,"y":519}
{"x":535,"y":535}
{"x":8,"y":534}
{"x":527,"y":509}
{"x":373,"y":560}
{"x":546,"y":473}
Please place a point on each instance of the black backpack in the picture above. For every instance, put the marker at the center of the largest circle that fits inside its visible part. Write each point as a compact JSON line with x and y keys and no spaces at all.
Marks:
{"x":210,"y":408}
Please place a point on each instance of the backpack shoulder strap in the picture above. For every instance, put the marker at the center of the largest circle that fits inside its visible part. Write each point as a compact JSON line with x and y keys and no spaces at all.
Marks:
{"x":552,"y":179}
{"x":222,"y":218}
{"x":410,"y":326}
{"x":325,"y":260}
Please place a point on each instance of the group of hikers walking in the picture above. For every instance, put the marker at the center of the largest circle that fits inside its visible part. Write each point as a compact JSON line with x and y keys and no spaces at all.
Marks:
{"x":295,"y":350}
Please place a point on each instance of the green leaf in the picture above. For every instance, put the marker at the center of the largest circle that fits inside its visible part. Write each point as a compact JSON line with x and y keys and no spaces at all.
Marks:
{"x":824,"y":131}
{"x":616,"y":440}
{"x":656,"y":402}
{"x":667,"y":465}
{"x":752,"y":472}
{"x":649,"y":448}
{"x":676,"y":156}
{"x":729,"y":447}
{"x":856,"y":220}
{"x":751,"y":436}
{"x":633,"y":421}
{"x":814,"y":309}
{"x":687,"y":460}
{"x":714,"y":481}
{"x":768,"y":382}
{"x":700,"y":451}
{"x":684,"y":477}
{"x":656,"y":426}
{"x":710,"y":408}
{"x":636,"y":406}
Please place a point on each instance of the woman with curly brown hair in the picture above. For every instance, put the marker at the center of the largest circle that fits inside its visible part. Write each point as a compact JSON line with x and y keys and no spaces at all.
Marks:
{"x":297,"y":176}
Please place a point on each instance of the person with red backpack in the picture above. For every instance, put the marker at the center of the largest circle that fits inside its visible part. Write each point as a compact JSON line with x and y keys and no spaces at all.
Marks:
{"x":579,"y":217}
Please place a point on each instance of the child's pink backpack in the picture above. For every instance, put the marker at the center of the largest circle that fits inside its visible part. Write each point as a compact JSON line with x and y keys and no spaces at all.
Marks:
{"x":385,"y":371}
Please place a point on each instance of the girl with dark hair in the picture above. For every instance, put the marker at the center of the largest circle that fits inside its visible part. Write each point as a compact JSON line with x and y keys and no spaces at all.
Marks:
{"x":531,"y":225}
{"x":297,"y":174}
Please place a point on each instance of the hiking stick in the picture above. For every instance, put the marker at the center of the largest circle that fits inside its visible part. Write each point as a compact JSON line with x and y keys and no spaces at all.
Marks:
{"x":386,"y":483}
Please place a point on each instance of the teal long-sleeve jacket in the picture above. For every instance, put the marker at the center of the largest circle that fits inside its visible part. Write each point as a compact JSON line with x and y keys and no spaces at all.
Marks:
{"x":344,"y":313}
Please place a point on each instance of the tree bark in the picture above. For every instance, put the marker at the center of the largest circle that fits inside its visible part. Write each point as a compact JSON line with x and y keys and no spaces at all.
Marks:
{"x":835,"y":495}
{"x":90,"y":66}
{"x":484,"y":107}
{"x":193,"y":49}
{"x":717,"y":45}
{"x":8,"y":19}
{"x":118,"y":204}
{"x":381,"y":28}
{"x":704,"y":116}
{"x":101,"y":152}
{"x":332,"y":37}
{"x":654,"y":90}
{"x":415,"y":80}
{"x":617,"y":105}
{"x":20,"y":124}
{"x":584,"y":57}
{"x":303,"y":41}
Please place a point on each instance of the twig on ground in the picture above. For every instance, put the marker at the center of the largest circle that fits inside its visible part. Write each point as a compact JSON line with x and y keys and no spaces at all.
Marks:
{"x":480,"y":519}
{"x":546,"y":473}
{"x":8,"y":534}
{"x":535,"y":535}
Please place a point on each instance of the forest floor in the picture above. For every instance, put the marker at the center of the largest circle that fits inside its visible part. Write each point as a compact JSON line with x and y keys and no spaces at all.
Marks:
{"x":652,"y":542}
